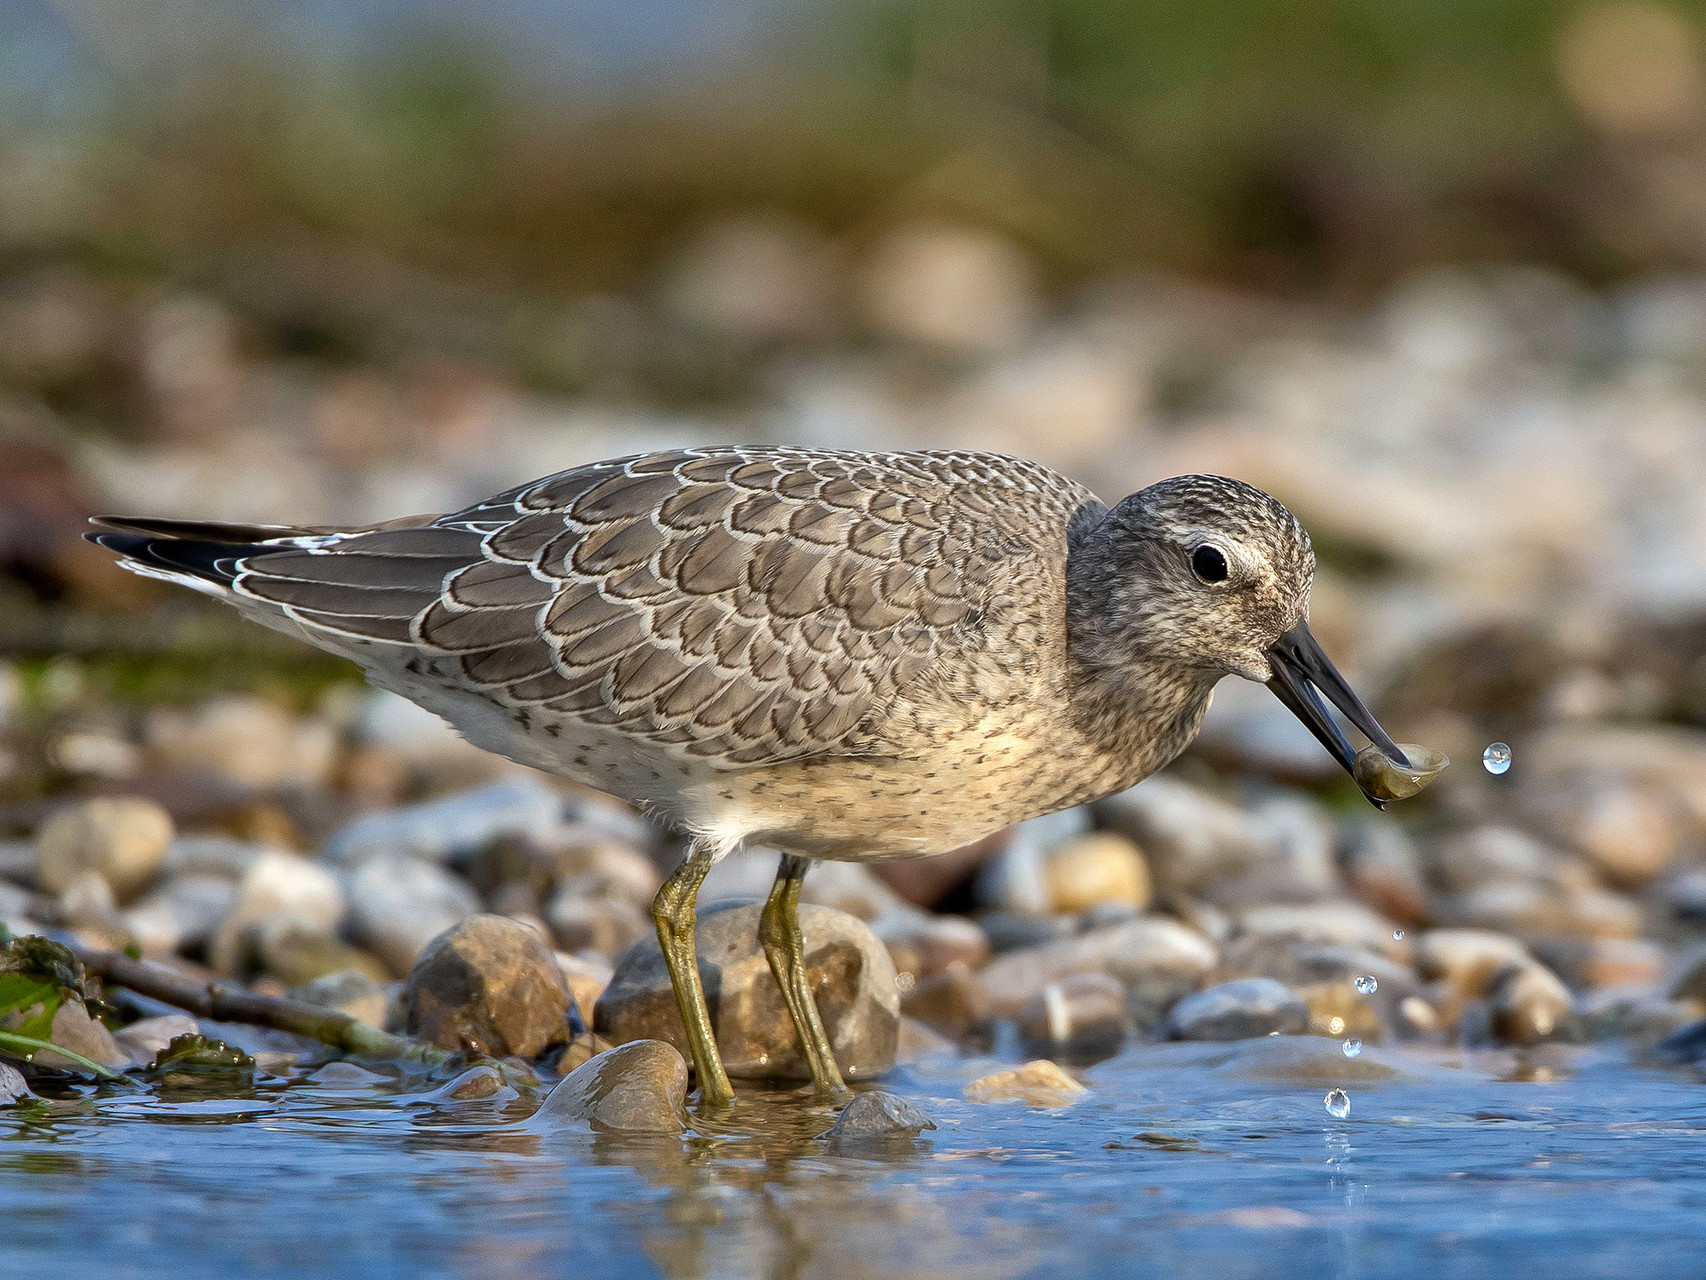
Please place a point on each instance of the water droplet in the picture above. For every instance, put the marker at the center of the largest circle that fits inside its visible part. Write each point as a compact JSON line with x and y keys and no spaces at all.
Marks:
{"x":1497,"y":757}
{"x":1338,"y":1104}
{"x":904,"y":982}
{"x":1335,"y":1025}
{"x":1397,"y":935}
{"x":1366,"y":985}
{"x":1352,"y":1047}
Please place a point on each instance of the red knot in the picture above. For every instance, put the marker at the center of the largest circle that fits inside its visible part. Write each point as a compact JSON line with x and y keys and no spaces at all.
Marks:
{"x":838,"y":655}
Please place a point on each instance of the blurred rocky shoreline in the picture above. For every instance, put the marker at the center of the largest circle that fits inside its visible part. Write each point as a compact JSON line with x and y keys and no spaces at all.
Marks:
{"x":1504,"y":472}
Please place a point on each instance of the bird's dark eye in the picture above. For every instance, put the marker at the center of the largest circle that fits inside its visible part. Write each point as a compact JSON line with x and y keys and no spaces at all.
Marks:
{"x":1209,"y":564}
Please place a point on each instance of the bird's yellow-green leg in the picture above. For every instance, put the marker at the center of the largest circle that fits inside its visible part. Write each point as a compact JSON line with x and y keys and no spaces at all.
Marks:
{"x":673,"y":910}
{"x":785,"y":948}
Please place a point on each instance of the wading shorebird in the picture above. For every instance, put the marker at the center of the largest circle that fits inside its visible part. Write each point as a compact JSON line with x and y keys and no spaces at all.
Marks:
{"x":853,"y":656}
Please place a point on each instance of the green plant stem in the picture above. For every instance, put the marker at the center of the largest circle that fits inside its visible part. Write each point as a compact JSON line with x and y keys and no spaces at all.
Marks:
{"x":25,"y":1046}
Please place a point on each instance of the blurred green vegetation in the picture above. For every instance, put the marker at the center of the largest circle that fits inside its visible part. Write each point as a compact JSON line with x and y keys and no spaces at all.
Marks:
{"x":1292,"y":143}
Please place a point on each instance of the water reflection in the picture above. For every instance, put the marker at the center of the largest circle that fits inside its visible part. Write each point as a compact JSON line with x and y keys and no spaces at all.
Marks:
{"x":1184,"y":1160}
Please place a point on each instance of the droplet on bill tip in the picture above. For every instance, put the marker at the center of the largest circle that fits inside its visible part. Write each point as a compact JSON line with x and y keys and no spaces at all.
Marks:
{"x":1366,"y":985}
{"x":1352,"y":1047}
{"x":1497,"y":757}
{"x":1338,"y":1104}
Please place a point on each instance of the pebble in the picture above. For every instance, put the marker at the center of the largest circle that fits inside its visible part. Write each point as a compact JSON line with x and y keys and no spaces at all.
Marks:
{"x":1590,"y":964}
{"x":1080,"y":1017}
{"x":74,"y":1029}
{"x":145,"y":1038}
{"x":1383,"y":868}
{"x":277,"y":885}
{"x":639,"y":1087}
{"x":1632,"y":834}
{"x":587,"y":979}
{"x":1528,"y":1003}
{"x":180,"y":915}
{"x":123,"y":838}
{"x":456,"y":826}
{"x":1038,"y":1084}
{"x":1150,"y":950}
{"x":1467,"y":959}
{"x":1189,"y":837}
{"x":399,"y":903}
{"x":1096,"y":869}
{"x":852,"y":978}
{"x":247,"y":741}
{"x":606,"y":925}
{"x":1238,"y":1010}
{"x":348,"y":991}
{"x":582,"y":1048}
{"x":875,"y":1117}
{"x":296,"y":953}
{"x":923,"y":945}
{"x":488,"y":985}
{"x":1338,"y":921}
{"x":954,"y":1001}
{"x":13,"y":1089}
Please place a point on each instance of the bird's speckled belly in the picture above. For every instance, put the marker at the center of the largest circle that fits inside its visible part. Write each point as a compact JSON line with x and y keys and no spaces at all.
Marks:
{"x":968,"y":783}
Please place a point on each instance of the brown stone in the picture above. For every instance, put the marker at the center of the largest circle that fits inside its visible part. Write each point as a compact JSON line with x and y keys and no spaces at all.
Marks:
{"x":124,"y":838}
{"x":1038,"y":1084}
{"x":851,"y":976}
{"x":489,"y":985}
{"x":639,"y":1087}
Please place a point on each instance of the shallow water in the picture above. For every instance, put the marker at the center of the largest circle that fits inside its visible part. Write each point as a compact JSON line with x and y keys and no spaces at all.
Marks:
{"x":1194,"y":1160}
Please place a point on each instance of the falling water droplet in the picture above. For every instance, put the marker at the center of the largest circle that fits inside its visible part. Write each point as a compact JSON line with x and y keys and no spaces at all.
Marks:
{"x":1397,"y":935}
{"x":1338,"y":1104}
{"x":1335,"y":1024}
{"x":1497,"y":757}
{"x":1352,"y":1047}
{"x":1366,"y":985}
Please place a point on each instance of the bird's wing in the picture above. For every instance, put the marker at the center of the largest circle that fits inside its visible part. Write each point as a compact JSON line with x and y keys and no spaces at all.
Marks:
{"x":740,"y":606}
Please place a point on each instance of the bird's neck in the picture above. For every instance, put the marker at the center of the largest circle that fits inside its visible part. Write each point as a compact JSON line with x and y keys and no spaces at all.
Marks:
{"x":1134,"y":705}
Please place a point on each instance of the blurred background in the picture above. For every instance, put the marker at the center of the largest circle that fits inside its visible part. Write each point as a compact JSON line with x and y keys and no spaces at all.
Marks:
{"x":1433,"y":273}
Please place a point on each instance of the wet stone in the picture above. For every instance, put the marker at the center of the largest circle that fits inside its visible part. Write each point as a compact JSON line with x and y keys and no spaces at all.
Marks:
{"x":876,"y":1117}
{"x":851,"y":975}
{"x":489,"y":985}
{"x":922,"y":944}
{"x":123,"y":838}
{"x":75,"y":1029}
{"x":1080,"y":1017}
{"x":1038,"y":1084}
{"x":1238,"y":1010}
{"x":13,"y":1090}
{"x":639,"y":1087}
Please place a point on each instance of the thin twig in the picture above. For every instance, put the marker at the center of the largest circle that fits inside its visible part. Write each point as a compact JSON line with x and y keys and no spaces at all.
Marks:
{"x":227,"y":1002}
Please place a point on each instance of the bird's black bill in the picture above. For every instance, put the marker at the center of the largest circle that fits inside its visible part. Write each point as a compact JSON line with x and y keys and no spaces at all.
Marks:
{"x":1302,"y":673}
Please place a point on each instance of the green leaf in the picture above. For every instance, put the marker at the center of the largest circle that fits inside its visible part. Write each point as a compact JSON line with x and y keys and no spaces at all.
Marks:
{"x":28,"y":1003}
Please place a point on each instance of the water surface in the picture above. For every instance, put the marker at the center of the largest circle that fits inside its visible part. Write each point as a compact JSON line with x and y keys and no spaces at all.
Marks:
{"x":1183,"y":1160}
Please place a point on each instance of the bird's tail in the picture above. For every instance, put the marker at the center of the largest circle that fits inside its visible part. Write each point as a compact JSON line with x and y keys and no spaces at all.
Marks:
{"x":203,"y":554}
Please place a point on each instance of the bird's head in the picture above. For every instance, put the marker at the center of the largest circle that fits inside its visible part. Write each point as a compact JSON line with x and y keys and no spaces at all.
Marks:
{"x":1212,"y":576}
